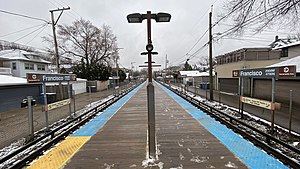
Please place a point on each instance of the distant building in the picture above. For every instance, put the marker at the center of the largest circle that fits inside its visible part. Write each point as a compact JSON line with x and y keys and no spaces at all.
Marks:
{"x":18,"y":63}
{"x":288,"y":48}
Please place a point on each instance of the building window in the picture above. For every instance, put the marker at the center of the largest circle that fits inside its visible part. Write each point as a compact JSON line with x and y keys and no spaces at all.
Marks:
{"x":29,"y":66}
{"x":14,"y":65}
{"x":41,"y":67}
{"x":284,"y":52}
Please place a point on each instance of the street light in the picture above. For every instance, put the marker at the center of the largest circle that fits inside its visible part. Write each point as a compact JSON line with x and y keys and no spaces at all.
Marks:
{"x":138,"y":18}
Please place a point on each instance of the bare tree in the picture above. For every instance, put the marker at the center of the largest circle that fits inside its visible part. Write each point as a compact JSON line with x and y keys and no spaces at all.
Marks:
{"x":89,"y":43}
{"x":261,"y":14}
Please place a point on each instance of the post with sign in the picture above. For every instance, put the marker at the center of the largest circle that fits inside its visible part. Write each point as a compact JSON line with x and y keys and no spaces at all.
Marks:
{"x":48,"y":78}
{"x":242,"y":94}
{"x":273,"y":102}
{"x":69,"y":96}
{"x":45,"y":105}
{"x":273,"y":73}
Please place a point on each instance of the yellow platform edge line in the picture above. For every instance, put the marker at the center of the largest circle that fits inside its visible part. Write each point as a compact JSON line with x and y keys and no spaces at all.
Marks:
{"x":61,"y":154}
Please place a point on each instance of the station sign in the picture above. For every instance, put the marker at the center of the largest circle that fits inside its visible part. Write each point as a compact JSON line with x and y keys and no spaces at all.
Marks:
{"x":35,"y":77}
{"x":282,"y":71}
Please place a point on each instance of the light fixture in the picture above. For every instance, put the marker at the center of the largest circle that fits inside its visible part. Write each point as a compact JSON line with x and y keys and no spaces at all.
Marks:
{"x":134,"y":18}
{"x":149,"y":47}
{"x":163,"y":17}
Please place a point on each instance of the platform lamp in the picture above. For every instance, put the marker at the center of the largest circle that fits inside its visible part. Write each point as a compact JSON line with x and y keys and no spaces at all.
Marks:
{"x":138,"y":18}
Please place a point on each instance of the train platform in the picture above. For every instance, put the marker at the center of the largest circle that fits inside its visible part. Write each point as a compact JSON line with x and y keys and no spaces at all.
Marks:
{"x":186,"y":138}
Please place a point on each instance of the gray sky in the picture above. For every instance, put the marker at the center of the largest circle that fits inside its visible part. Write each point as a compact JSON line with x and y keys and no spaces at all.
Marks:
{"x":175,"y":39}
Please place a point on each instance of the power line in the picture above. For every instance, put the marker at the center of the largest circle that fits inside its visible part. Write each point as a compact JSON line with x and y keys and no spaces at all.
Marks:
{"x":37,"y":34}
{"x":31,"y":32}
{"x":20,"y":30}
{"x":25,"y":16}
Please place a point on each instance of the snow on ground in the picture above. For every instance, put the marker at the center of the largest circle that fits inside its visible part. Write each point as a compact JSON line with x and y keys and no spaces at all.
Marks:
{"x":21,"y":142}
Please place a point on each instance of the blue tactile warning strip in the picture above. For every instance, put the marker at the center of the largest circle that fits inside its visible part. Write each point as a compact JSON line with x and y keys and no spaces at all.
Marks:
{"x":97,"y":123}
{"x":252,"y":156}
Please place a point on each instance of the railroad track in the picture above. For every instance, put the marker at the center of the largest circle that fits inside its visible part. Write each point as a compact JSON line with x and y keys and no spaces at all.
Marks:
{"x":27,"y":153}
{"x":286,"y":153}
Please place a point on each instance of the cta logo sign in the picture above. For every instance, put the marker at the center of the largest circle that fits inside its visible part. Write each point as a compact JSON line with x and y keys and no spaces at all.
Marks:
{"x":287,"y":71}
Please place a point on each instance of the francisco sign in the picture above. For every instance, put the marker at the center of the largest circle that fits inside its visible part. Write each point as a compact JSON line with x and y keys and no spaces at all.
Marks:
{"x":283,"y":71}
{"x":34,"y":77}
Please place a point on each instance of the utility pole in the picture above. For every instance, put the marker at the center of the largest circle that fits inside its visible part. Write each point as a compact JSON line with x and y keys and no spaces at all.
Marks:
{"x":166,"y":66}
{"x":211,"y":94}
{"x":54,"y":34}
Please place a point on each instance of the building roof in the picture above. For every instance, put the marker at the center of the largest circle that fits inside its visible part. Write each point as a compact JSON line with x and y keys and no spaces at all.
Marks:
{"x":17,"y":54}
{"x":289,"y":62}
{"x":281,"y":45}
{"x":11,"y":80}
{"x":261,"y":48}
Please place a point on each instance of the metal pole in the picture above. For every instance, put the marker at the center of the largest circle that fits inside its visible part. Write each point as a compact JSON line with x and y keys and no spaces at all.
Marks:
{"x":219,"y":93}
{"x":273,"y":101}
{"x":69,"y":96}
{"x":74,"y":104}
{"x":30,"y":118}
{"x":46,"y":106}
{"x":290,"y":111}
{"x":242,"y":94}
{"x":150,"y":94}
{"x":239,"y":92}
{"x":211,"y":94}
{"x":90,"y":95}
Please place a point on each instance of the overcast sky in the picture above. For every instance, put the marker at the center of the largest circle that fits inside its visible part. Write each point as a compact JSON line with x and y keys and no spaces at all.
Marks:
{"x":176,"y":39}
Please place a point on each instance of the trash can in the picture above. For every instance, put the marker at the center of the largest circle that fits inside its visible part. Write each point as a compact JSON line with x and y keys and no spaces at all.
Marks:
{"x":24,"y":102}
{"x":51,"y":98}
{"x":204,"y":86}
{"x":93,"y":89}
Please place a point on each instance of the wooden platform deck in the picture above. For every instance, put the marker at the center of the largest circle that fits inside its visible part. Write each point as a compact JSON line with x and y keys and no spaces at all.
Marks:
{"x":182,"y":142}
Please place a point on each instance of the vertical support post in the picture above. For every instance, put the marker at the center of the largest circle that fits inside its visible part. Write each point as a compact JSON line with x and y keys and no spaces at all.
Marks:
{"x":219,"y":87}
{"x":151,"y":120}
{"x":273,"y":102}
{"x":90,"y":95}
{"x":290,"y":112}
{"x":74,"y":103}
{"x":69,"y":96}
{"x":251,"y":86}
{"x":211,"y":94}
{"x":46,"y":106}
{"x":239,"y":92}
{"x":150,"y":94}
{"x":30,"y":118}
{"x":242,"y":94}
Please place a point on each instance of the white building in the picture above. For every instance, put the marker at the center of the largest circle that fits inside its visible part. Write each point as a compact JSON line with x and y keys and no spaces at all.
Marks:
{"x":18,"y":63}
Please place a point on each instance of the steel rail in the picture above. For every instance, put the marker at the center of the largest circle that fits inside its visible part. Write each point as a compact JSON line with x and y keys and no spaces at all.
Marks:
{"x":265,"y":145}
{"x":80,"y":120}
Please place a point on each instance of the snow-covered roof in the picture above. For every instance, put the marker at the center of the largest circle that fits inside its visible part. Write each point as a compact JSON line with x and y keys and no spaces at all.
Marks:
{"x":17,"y":54}
{"x":190,"y":73}
{"x":11,"y":80}
{"x":194,"y":73}
{"x":281,"y":45}
{"x":292,"y":61}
